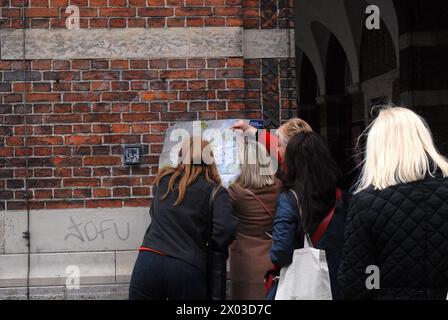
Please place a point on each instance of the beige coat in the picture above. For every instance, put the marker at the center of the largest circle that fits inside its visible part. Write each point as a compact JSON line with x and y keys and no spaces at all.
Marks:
{"x":249,"y":253}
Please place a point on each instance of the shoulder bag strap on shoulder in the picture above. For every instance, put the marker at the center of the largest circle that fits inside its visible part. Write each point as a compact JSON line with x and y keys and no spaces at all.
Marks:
{"x":324,"y":224}
{"x":261,"y":203}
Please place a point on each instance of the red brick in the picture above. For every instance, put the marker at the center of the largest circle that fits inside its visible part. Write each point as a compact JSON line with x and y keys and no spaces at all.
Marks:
{"x":119,"y":96}
{"x":119,"y":64}
{"x":81,"y":182}
{"x":66,"y":161}
{"x":66,"y":204}
{"x":206,"y":74}
{"x":214,"y":2}
{"x":140,"y":128}
{"x":117,"y":23}
{"x":135,"y":23}
{"x":214,"y":22}
{"x":178,"y":85}
{"x":122,"y":139}
{"x":227,"y":11}
{"x":117,"y":12}
{"x":100,"y":75}
{"x":43,"y":97}
{"x":141,"y":191}
{"x":121,"y":192}
{"x":137,"y":202}
{"x":41,"y":12}
{"x":98,"y":3}
{"x":178,"y":74}
{"x":120,"y":128}
{"x":63,"y":193}
{"x":82,"y":172}
{"x":236,"y":105}
{"x":102,"y":161}
{"x":155,"y":3}
{"x":99,"y":23}
{"x":44,"y":183}
{"x":87,"y":96}
{"x":197,"y":85}
{"x":234,"y":22}
{"x":117,"y":3}
{"x":100,"y":86}
{"x":156,"y":23}
{"x":61,"y":65}
{"x":155,"y":12}
{"x":82,"y":140}
{"x":41,"y":65}
{"x":175,"y":22}
{"x":158,"y":95}
{"x":191,"y":11}
{"x":159,"y":127}
{"x":207,"y":115}
{"x":42,"y":151}
{"x":35,"y":141}
{"x":59,"y":3}
{"x":101,"y":193}
{"x":63,"y":172}
{"x":195,"y":22}
{"x":14,"y":141}
{"x":82,"y":193}
{"x":235,"y":84}
{"x":43,"y":194}
{"x":178,"y":116}
{"x":177,"y":63}
{"x":101,"y":117}
{"x":100,"y":172}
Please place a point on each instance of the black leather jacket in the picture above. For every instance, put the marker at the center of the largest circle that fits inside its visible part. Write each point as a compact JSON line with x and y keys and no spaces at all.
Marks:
{"x":181,"y":231}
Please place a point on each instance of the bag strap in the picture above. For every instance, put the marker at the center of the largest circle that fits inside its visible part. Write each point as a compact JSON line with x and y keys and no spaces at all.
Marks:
{"x":323,"y":226}
{"x":261,"y":203}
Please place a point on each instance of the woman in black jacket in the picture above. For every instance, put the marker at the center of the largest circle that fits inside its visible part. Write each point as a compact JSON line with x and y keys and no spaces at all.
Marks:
{"x":396,"y":240}
{"x":172,"y":259}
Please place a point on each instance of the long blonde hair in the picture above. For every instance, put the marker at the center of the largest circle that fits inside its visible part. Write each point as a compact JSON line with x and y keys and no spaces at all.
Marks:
{"x":256,"y":166}
{"x":188,"y":170}
{"x":399,"y":150}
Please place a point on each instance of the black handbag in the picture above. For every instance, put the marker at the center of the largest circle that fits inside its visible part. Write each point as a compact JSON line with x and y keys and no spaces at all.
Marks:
{"x":216,"y":268}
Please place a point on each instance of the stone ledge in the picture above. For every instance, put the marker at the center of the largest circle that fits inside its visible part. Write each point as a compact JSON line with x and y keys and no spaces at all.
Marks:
{"x":91,"y":292}
{"x":142,"y":43}
{"x":51,"y":269}
{"x":122,"y":43}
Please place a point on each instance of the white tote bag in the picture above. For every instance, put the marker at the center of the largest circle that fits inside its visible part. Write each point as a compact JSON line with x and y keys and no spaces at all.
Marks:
{"x":307,"y":277}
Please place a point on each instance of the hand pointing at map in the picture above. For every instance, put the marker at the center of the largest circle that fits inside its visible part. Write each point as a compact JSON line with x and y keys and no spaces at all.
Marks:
{"x":244,"y":126}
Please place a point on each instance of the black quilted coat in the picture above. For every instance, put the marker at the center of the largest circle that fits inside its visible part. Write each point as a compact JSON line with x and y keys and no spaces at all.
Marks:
{"x":404,"y":231}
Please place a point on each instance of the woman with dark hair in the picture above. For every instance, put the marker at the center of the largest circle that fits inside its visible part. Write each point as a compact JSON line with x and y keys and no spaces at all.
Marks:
{"x":172,"y":260}
{"x":307,"y":203}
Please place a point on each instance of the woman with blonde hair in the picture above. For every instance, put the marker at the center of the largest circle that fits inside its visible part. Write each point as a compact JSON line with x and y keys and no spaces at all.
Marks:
{"x":396,"y":236}
{"x":276,"y":145}
{"x":172,"y":260}
{"x":254,"y":196}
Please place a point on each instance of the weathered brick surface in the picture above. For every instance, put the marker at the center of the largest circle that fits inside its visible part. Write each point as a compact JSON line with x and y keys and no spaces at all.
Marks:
{"x":124,"y":13}
{"x":80,"y":113}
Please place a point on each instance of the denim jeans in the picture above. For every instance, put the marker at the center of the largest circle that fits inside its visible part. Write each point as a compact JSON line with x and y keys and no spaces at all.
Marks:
{"x":158,"y":277}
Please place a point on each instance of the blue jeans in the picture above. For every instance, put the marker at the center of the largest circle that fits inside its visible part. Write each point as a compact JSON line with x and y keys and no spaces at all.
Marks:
{"x":158,"y":277}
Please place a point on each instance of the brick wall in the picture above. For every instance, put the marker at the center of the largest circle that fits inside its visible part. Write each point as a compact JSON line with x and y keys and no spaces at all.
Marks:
{"x":81,"y":112}
{"x":125,"y":13}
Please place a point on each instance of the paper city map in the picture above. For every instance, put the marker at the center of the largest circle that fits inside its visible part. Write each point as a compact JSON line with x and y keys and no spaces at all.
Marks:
{"x":222,"y":140}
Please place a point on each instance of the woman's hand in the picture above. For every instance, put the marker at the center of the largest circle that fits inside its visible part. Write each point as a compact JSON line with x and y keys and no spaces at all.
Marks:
{"x":243,"y":126}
